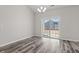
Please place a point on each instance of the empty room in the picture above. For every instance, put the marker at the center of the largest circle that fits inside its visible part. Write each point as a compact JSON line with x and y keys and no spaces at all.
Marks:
{"x":39,"y":29}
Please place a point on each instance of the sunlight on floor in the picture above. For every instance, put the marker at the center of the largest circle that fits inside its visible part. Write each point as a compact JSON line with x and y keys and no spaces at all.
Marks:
{"x":50,"y":45}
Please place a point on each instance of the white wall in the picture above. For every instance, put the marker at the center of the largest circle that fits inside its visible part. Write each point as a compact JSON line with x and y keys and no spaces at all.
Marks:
{"x":69,"y":17}
{"x":16,"y":22}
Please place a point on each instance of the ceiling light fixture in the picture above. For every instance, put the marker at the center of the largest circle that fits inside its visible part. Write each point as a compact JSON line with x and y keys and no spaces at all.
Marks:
{"x":38,"y":10}
{"x":44,"y":9}
{"x":41,"y":9}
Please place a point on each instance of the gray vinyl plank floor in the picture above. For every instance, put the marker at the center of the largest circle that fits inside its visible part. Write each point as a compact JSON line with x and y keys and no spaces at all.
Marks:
{"x":37,"y":45}
{"x":49,"y":46}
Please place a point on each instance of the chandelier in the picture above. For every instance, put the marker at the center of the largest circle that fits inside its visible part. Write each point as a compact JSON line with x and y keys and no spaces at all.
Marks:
{"x":41,"y":9}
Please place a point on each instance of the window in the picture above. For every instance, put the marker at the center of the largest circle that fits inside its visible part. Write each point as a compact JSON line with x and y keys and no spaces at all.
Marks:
{"x":50,"y":27}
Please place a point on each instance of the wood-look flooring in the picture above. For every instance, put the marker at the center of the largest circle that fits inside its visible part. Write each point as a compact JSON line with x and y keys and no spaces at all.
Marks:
{"x":33,"y":45}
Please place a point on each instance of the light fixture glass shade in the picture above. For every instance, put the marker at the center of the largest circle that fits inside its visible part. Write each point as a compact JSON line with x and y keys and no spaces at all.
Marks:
{"x":38,"y":10}
{"x":44,"y":9}
{"x":41,"y":9}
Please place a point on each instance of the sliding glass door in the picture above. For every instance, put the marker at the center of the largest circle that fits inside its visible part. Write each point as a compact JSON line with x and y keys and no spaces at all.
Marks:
{"x":50,"y":27}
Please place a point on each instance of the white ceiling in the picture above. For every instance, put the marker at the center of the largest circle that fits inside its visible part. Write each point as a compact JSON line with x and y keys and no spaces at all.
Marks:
{"x":34,"y":7}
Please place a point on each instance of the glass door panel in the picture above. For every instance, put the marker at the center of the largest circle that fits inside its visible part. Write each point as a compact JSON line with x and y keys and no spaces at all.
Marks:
{"x":50,"y":27}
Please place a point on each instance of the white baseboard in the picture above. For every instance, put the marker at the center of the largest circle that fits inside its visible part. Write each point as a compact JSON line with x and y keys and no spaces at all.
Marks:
{"x":13,"y":41}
